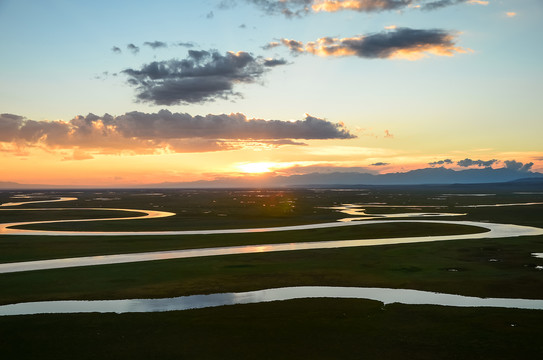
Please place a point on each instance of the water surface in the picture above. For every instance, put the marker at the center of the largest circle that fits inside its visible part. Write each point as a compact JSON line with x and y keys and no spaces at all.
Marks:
{"x":495,"y":231}
{"x":384,"y":295}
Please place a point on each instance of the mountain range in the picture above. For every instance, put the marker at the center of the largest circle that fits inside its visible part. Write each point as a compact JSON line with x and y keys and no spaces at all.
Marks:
{"x":434,"y":175}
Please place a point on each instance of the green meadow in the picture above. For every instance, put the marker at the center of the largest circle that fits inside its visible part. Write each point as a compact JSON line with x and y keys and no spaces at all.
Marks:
{"x":309,"y":328}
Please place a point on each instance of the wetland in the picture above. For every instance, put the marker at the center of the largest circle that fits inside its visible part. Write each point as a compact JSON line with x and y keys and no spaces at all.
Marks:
{"x":472,"y":265}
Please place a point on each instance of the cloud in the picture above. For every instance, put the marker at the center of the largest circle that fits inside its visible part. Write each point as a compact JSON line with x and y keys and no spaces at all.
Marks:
{"x":510,"y":14}
{"x":518,"y":166}
{"x":148,"y":133}
{"x":202,"y":76}
{"x":404,"y":43}
{"x":185,"y":44}
{"x":441,"y":162}
{"x":480,"y":163}
{"x":133,"y":48}
{"x":298,"y":8}
{"x":380,"y":164}
{"x":116,"y":50}
{"x":359,"y":5}
{"x":288,"y":8}
{"x":274,"y":62}
{"x":293,"y":45}
{"x":434,"y":5}
{"x":155,"y":44}
{"x":271,"y":45}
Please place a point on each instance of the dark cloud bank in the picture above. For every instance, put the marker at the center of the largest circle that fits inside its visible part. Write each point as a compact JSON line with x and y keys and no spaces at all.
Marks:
{"x":176,"y":132}
{"x":202,"y":76}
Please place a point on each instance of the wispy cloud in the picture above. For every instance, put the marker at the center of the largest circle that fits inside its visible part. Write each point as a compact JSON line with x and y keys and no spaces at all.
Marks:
{"x":147,"y":133}
{"x":202,"y":76}
{"x":403,"y":43}
{"x":510,"y":14}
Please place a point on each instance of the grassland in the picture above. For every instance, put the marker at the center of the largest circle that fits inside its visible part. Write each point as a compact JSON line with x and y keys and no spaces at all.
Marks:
{"x":315,"y":328}
{"x":298,"y":329}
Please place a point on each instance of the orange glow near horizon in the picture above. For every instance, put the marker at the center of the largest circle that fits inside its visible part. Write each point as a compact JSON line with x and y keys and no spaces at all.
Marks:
{"x":256,"y":168}
{"x":61,"y":168}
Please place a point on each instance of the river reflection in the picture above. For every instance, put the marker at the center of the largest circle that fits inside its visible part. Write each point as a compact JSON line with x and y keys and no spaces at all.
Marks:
{"x":495,"y":231}
{"x":384,"y":295}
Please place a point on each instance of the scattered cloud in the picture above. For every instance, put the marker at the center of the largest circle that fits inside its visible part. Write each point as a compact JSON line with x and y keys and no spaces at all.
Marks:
{"x":149,"y":133}
{"x":210,"y":15}
{"x":388,"y":134}
{"x":299,"y":8}
{"x":359,"y":5}
{"x":441,"y":162}
{"x":202,"y":76}
{"x":156,"y":44}
{"x":406,"y":43}
{"x":480,"y":163}
{"x":518,"y":166}
{"x":288,"y":8}
{"x":116,"y":50}
{"x":380,"y":164}
{"x":133,"y":48}
{"x":510,"y":14}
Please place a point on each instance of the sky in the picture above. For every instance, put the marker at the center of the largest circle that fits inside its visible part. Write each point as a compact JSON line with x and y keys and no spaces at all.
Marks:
{"x":113,"y":93}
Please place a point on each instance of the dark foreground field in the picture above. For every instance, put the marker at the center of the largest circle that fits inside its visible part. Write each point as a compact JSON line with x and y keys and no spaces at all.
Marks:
{"x":296,"y":329}
{"x":317,"y":328}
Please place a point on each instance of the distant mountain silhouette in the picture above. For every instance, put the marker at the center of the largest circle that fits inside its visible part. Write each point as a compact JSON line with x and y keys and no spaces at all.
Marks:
{"x":438,"y":175}
{"x":434,"y":175}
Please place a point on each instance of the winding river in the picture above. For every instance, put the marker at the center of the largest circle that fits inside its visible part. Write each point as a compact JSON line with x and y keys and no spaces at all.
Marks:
{"x":384,"y":295}
{"x":494,"y":231}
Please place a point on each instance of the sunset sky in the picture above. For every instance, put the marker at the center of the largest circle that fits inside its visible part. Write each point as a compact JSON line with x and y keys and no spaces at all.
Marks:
{"x":135,"y":92}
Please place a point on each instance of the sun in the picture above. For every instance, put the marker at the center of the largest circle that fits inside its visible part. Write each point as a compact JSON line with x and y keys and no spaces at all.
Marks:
{"x":256,"y":168}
